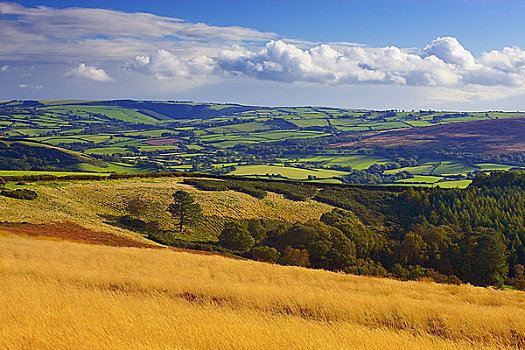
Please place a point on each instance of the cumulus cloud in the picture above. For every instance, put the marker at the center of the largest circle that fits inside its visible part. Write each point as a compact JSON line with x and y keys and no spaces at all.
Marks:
{"x":164,"y":66}
{"x":182,"y":55}
{"x":90,"y":72}
{"x":442,"y":63}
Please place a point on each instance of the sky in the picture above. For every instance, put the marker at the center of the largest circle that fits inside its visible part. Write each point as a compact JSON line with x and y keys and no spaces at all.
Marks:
{"x":425,"y":54}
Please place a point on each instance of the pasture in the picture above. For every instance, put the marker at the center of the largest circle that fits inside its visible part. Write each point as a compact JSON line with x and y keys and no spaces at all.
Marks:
{"x":211,"y":135}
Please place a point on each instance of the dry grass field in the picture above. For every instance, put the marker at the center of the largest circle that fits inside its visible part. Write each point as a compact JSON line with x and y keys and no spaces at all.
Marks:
{"x":63,"y":295}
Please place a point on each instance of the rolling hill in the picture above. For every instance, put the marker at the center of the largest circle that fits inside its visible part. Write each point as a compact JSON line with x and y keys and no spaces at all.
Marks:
{"x":494,"y":137}
{"x":20,"y":154}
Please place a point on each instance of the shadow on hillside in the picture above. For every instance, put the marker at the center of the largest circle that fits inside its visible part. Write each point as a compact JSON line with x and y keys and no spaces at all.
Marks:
{"x":152,"y":231}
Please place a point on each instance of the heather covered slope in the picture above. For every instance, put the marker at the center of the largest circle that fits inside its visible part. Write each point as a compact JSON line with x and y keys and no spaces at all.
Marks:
{"x":494,"y":137}
{"x":61,"y":295}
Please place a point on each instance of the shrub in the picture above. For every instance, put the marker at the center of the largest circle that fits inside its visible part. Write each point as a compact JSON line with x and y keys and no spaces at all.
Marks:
{"x":207,"y":185}
{"x":19,"y":194}
{"x":134,"y":224}
{"x":296,"y":257}
{"x":235,"y":236}
{"x":264,"y":253}
{"x":257,"y":230}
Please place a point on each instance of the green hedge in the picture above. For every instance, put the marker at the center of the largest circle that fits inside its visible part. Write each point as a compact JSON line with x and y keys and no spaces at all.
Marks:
{"x":19,"y":194}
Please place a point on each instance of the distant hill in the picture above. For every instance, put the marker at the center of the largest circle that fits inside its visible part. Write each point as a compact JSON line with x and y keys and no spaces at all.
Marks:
{"x":20,"y":154}
{"x":166,"y":111}
{"x":500,"y":136}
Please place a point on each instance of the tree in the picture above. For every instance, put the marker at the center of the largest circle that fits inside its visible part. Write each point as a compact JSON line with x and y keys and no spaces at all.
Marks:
{"x":235,"y":236}
{"x":136,"y":207}
{"x":184,"y":209}
{"x":257,"y":230}
{"x":264,"y":253}
{"x":295,"y":257}
{"x":490,"y":261}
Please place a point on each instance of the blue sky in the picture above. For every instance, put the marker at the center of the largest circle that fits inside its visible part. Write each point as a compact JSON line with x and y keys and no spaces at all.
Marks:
{"x":410,"y":54}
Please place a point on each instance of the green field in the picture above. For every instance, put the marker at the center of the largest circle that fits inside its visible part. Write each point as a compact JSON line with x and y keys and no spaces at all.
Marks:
{"x":491,"y":166}
{"x":358,"y":162}
{"x":422,"y":179}
{"x":55,"y":173}
{"x":287,"y":172}
{"x":211,"y":137}
{"x":454,"y":184}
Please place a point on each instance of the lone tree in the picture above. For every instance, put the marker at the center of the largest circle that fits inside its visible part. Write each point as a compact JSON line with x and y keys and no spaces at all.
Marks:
{"x":184,"y":209}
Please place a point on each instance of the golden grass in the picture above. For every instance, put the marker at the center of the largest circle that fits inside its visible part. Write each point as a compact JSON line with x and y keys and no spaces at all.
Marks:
{"x":88,"y":203}
{"x":62,"y":295}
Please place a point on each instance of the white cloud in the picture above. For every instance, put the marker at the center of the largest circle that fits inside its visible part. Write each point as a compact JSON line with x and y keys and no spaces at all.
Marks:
{"x":449,"y":50}
{"x":90,"y":72}
{"x":34,"y":87}
{"x":75,"y":22}
{"x":173,"y":56}
{"x":443,"y":63}
{"x":164,"y":66}
{"x":50,"y":35}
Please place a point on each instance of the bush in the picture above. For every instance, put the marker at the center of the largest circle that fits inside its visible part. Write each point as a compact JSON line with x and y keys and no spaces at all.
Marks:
{"x":134,"y":224}
{"x":295,"y":257}
{"x":2,"y":182}
{"x":207,"y":185}
{"x":400,"y":272}
{"x":235,"y":236}
{"x":366,"y":267}
{"x":19,"y":194}
{"x":257,"y":230}
{"x":257,"y":189}
{"x":264,"y":253}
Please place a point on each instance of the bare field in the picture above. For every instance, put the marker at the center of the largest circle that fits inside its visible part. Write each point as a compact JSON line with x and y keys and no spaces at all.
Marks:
{"x":61,"y":295}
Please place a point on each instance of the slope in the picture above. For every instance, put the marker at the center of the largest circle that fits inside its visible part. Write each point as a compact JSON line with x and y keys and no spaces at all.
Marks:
{"x":61,"y":295}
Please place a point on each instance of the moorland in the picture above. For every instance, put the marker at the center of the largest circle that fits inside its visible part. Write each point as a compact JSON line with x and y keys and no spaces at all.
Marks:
{"x":126,"y":223}
{"x":63,"y":295}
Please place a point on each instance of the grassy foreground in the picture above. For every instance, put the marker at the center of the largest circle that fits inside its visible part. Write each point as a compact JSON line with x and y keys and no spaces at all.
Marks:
{"x":62,"y":295}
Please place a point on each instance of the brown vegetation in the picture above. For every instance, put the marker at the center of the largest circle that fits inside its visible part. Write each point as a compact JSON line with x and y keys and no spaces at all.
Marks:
{"x":485,"y":137}
{"x":161,"y":142}
{"x":71,"y":231}
{"x":61,"y":295}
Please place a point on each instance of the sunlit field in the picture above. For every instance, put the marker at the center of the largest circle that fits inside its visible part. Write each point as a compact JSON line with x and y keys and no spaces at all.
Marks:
{"x":62,"y":295}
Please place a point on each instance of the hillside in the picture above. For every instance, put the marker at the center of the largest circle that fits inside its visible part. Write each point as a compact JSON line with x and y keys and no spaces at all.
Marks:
{"x":98,"y":204}
{"x":493,"y":137}
{"x":60,"y":295}
{"x":336,"y":145}
{"x":475,"y":235}
{"x":16,"y":154}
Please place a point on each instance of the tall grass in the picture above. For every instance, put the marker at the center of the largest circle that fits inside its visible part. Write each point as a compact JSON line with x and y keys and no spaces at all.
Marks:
{"x":61,"y":295}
